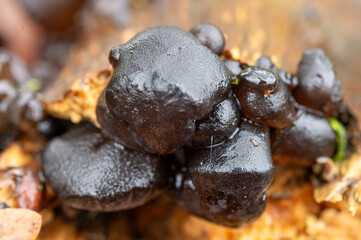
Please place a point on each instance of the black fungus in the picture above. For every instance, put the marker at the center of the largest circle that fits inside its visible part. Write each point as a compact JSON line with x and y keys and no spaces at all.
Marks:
{"x":88,"y":171}
{"x":218,"y":126}
{"x":52,"y":127}
{"x":226,"y":184}
{"x":211,"y":36}
{"x":234,"y":67}
{"x":286,"y":77}
{"x":170,"y":93}
{"x":265,"y":99}
{"x":318,"y":86}
{"x":114,"y":127}
{"x":265,"y":62}
{"x":164,"y":79}
{"x":309,"y":137}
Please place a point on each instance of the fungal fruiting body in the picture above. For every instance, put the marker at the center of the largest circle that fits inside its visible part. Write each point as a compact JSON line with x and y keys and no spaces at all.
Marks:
{"x":176,"y":118}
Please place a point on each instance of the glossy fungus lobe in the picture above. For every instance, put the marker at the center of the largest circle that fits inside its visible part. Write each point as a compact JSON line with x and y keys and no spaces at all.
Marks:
{"x":264,"y":98}
{"x":164,"y":80}
{"x":318,"y":87}
{"x":287,"y":78}
{"x":114,"y":127}
{"x":226,"y":184}
{"x":88,"y":171}
{"x":265,"y":62}
{"x":52,"y":127}
{"x":234,"y":67}
{"x":211,"y":36}
{"x":219,"y":125}
{"x":310,"y":136}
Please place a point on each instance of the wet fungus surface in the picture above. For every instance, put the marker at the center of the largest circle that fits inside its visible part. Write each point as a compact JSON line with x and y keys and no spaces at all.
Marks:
{"x":227,"y":183}
{"x":309,"y":137}
{"x":89,"y":171}
{"x":265,"y":98}
{"x":164,"y":79}
{"x":211,"y":36}
{"x":178,"y":119}
{"x":318,"y":87}
{"x":218,"y":126}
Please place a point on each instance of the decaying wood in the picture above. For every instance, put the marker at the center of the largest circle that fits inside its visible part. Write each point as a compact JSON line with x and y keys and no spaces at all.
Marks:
{"x":346,"y":187}
{"x":79,"y":102}
{"x":19,"y":224}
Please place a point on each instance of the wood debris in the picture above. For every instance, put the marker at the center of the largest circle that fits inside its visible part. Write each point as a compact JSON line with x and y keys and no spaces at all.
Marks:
{"x":346,"y":186}
{"x":19,"y":224}
{"x":79,"y":102}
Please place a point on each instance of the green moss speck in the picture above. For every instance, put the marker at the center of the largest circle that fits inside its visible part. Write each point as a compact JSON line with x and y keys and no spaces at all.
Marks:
{"x":341,"y":139}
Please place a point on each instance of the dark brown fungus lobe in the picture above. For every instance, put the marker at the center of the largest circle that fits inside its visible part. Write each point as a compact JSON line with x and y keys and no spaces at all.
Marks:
{"x":88,"y":171}
{"x":234,"y":67}
{"x":309,"y":137}
{"x":265,"y":62}
{"x":218,"y":126}
{"x":164,"y":80}
{"x":226,"y":184}
{"x":264,"y":98}
{"x":52,"y":127}
{"x":318,"y":87}
{"x":211,"y":36}
{"x":114,"y":127}
{"x":286,"y":77}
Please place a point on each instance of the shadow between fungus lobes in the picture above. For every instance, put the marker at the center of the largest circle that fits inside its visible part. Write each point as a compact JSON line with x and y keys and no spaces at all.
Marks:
{"x":173,"y":116}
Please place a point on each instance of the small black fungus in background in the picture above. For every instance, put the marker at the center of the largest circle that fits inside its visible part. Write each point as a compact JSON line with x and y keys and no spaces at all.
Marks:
{"x":52,"y":127}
